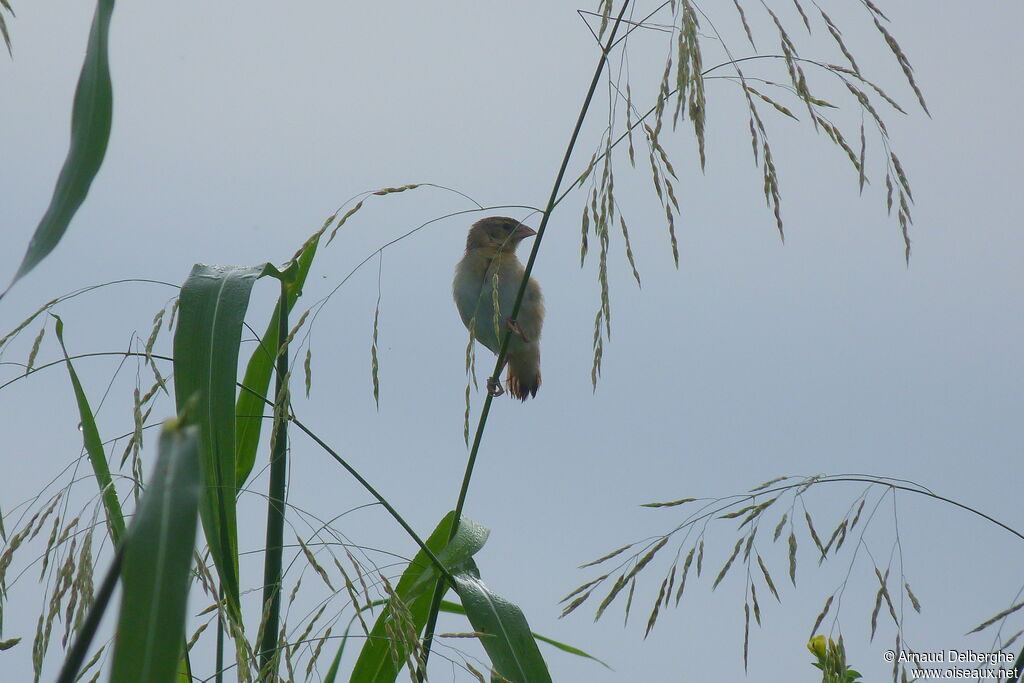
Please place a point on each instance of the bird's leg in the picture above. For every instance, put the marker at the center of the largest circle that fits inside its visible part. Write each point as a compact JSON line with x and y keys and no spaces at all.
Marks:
{"x":513,"y":325}
{"x":494,"y":387}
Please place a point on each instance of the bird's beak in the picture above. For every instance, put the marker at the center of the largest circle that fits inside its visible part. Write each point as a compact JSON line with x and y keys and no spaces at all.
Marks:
{"x":522,"y":232}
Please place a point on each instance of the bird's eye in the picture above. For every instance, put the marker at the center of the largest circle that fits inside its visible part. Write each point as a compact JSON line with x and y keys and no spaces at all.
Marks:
{"x":510,"y":226}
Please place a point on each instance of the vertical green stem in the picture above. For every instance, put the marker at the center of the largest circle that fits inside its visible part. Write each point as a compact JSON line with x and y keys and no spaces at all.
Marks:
{"x":219,"y":675}
{"x":441,"y":586}
{"x":275,"y":504}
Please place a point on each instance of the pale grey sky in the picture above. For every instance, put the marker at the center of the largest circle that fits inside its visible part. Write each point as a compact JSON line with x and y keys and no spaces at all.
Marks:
{"x":239,"y":127}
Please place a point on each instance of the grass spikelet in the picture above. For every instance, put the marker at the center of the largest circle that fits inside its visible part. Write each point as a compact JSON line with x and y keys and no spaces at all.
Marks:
{"x":761,"y":487}
{"x":35,"y":349}
{"x":583,"y":237}
{"x":307,"y":369}
{"x":657,"y":607}
{"x":837,"y":137}
{"x":671,"y":582}
{"x":392,"y":190}
{"x":768,"y":578}
{"x":821,"y":615}
{"x":888,"y":193}
{"x":863,"y":152}
{"x":900,"y":175}
{"x":374,"y":364}
{"x":154,"y":333}
{"x":772,"y":102}
{"x":584,"y":587}
{"x":606,"y":13}
{"x":629,"y":602}
{"x":771,"y":186}
{"x":49,"y":546}
{"x":672,"y":235}
{"x":746,"y":633}
{"x":1012,"y":639}
{"x":574,"y":604}
{"x":728,"y":563}
{"x":84,"y":586}
{"x":587,"y":171}
{"x":359,"y":576}
{"x":840,"y":529}
{"x":904,"y":63}
{"x":607,"y":557}
{"x":629,"y":126}
{"x":341,"y":221}
{"x":803,"y":15}
{"x":42,"y":518}
{"x":353,"y":596}
{"x":753,"y":601}
{"x":750,"y":544}
{"x":476,"y":673}
{"x":837,"y":35}
{"x":682,"y":577}
{"x":814,"y":533}
{"x":495,"y":305}
{"x":670,"y":190}
{"x":617,"y":587}
{"x":914,"y":602}
{"x":756,"y":512}
{"x":792,"y":557}
{"x":700,"y":557}
{"x":696,"y":99}
{"x":629,"y":250}
{"x":682,"y":75}
{"x":316,"y":652}
{"x":316,"y":565}
{"x":669,"y":504}
{"x":595,"y":370}
{"x":743,"y":20}
{"x":195,"y":636}
{"x":875,"y":610}
{"x":736,"y":513}
{"x":754,"y":141}
{"x":645,"y":560}
{"x":305,"y":633}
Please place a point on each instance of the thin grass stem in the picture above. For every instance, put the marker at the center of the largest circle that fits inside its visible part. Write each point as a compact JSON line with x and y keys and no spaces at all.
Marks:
{"x":441,"y":586}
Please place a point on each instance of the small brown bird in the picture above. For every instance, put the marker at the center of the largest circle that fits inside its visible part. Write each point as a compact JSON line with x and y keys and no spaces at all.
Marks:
{"x":491,"y":250}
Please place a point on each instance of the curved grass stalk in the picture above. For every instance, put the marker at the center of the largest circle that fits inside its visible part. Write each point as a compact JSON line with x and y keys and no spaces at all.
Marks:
{"x":442,"y":584}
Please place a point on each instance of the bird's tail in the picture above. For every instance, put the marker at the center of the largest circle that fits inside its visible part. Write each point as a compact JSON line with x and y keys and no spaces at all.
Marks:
{"x":523,"y":373}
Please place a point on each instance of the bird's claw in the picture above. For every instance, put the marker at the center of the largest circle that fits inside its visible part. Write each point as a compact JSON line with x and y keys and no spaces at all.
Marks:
{"x":494,"y":387}
{"x":513,"y":325}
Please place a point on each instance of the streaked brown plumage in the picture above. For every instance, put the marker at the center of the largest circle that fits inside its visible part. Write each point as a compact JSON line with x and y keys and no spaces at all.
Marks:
{"x":490,"y":250}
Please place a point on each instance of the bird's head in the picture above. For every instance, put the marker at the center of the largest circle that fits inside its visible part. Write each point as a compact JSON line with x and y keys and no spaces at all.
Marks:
{"x":497,"y":234}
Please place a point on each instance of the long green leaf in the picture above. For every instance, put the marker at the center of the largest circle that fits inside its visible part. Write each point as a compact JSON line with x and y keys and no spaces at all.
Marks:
{"x":155,"y":573}
{"x":509,"y":642}
{"x":455,"y":608}
{"x":381,"y":659}
{"x":251,"y":406}
{"x":90,"y":131}
{"x":211,"y":308}
{"x":94,"y":447}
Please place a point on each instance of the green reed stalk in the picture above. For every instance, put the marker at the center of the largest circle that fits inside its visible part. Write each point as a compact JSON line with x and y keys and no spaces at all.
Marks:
{"x":441,"y":586}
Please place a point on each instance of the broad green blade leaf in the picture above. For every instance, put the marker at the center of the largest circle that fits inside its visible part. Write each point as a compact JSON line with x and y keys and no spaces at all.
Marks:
{"x":377,"y":660}
{"x":250,"y":408}
{"x":456,"y":608}
{"x":211,"y":308}
{"x":94,"y":447}
{"x":155,"y":573}
{"x":90,"y":131}
{"x":509,"y":642}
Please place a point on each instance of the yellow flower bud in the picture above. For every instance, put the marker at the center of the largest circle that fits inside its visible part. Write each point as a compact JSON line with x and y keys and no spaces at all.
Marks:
{"x":817,"y":646}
